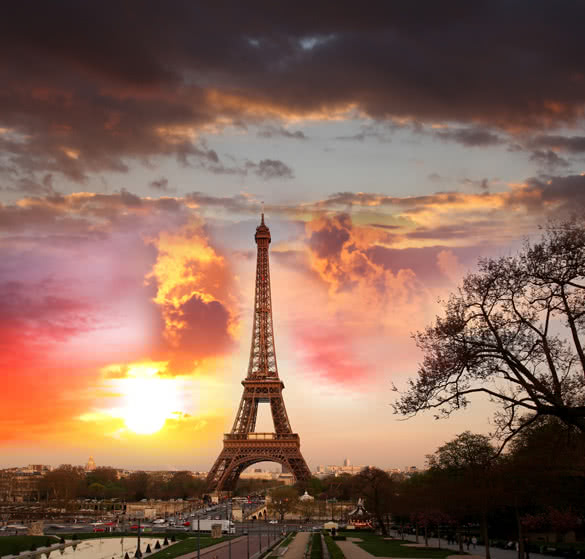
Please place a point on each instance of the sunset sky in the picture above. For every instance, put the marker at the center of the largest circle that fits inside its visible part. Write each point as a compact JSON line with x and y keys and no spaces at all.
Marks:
{"x":392,"y":148}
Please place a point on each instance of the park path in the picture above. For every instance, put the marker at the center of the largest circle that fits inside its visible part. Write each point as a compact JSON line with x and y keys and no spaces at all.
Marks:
{"x":353,"y":551}
{"x":495,"y":552}
{"x":244,"y":547}
{"x":296,"y":549}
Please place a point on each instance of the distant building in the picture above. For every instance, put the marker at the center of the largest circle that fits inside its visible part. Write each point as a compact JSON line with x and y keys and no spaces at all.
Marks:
{"x":346,"y":462}
{"x":257,"y":473}
{"x":306,"y":497}
{"x":90,"y":466}
{"x":287,"y":478}
{"x":18,"y":485}
{"x":39,"y":468}
{"x":199,"y":475}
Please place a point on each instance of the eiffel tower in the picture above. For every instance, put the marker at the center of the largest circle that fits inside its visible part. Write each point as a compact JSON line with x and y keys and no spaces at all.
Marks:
{"x":243,"y":446}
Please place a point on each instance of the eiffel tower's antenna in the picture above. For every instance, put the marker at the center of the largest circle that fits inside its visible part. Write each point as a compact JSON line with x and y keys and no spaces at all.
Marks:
{"x":262,"y":222}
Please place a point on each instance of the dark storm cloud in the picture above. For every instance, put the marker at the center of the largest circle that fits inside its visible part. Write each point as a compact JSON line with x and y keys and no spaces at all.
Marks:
{"x":205,"y":329}
{"x":160,"y":184}
{"x":548,"y":159}
{"x":280,"y":131}
{"x":272,"y":169}
{"x":87,"y":86}
{"x":470,"y":137}
{"x":435,"y":177}
{"x":482,"y":184}
{"x":570,"y":144}
{"x":568,"y":191}
{"x":374,"y":132}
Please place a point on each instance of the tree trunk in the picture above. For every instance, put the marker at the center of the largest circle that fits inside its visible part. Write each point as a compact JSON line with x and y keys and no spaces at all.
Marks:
{"x":380,"y":518}
{"x":416,"y":533}
{"x":520,"y":533}
{"x":426,"y":536}
{"x":439,"y":536}
{"x":486,"y":536}
{"x":460,"y":539}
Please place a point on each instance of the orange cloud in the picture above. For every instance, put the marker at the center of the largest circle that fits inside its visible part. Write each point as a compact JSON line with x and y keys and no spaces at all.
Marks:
{"x":194,"y":293}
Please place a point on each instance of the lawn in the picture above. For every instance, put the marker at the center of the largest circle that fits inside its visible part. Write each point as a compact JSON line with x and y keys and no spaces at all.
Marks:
{"x":187,"y":545}
{"x":378,"y":546}
{"x":13,"y":545}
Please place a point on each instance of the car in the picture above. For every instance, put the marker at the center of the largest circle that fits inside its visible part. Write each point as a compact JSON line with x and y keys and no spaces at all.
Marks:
{"x":273,"y":522}
{"x":186,"y":523}
{"x":98,"y":529}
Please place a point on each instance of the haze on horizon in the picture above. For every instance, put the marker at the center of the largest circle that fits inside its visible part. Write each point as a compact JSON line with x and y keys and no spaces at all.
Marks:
{"x":392,"y":149}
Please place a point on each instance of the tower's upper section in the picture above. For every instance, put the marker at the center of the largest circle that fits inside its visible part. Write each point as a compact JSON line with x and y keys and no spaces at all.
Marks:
{"x":262,"y":353}
{"x":262,"y":233}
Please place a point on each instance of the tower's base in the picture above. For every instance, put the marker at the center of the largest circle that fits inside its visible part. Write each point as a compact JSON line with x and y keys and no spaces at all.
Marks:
{"x":241,"y":451}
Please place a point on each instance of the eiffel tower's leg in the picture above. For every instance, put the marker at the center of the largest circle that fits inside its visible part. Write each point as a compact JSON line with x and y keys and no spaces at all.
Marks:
{"x":279,"y":416}
{"x":298,"y":467}
{"x":217,"y":472}
{"x":245,"y":421}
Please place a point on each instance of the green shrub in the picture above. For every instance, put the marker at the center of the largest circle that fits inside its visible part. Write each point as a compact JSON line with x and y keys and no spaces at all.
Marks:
{"x":317,"y":547}
{"x":334,"y":550}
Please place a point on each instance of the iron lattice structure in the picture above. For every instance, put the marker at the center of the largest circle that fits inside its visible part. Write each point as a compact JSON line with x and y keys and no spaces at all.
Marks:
{"x":243,"y":446}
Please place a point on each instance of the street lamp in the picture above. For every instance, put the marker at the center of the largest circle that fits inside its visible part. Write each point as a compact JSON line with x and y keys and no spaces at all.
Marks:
{"x":198,"y":537}
{"x":138,"y":553}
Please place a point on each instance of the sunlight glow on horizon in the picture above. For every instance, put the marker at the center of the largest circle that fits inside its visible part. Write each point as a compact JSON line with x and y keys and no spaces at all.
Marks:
{"x":148,"y":399}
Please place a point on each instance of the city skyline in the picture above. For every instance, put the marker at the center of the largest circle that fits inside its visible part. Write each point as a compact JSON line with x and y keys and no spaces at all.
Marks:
{"x":389,"y":150}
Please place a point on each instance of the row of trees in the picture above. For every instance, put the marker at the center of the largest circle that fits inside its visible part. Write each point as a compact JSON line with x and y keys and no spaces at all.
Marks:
{"x":71,"y":482}
{"x":538,"y":485}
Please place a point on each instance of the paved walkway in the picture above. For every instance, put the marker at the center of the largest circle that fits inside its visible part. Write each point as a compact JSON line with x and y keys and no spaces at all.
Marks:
{"x":244,"y":547}
{"x":495,"y":552}
{"x":296,"y":549}
{"x":351,"y":550}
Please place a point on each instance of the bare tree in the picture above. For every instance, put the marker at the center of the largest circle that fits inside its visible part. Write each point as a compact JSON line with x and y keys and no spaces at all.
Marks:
{"x":377,"y":488}
{"x":283,"y":501}
{"x":512,"y":331}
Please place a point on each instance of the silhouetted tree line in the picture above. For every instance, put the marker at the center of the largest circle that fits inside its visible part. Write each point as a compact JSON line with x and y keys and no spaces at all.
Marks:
{"x":537,"y":486}
{"x":471,"y":489}
{"x":66,"y":483}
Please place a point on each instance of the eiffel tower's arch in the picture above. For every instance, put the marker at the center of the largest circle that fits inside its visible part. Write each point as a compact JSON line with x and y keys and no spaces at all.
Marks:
{"x":243,"y":446}
{"x":232,"y":474}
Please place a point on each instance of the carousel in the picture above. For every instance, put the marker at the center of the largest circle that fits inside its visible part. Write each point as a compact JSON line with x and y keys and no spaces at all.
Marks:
{"x":359,"y":518}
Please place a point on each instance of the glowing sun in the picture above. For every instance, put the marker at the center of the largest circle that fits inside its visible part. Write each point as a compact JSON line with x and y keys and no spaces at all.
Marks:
{"x":149,"y":400}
